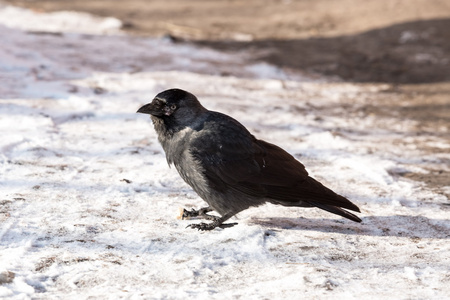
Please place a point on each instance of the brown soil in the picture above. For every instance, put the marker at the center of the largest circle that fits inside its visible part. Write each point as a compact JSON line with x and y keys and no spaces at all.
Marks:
{"x":405,"y":43}
{"x":402,"y":41}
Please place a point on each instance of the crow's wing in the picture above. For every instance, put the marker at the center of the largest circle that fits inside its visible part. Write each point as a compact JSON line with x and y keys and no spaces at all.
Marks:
{"x":234,"y":159}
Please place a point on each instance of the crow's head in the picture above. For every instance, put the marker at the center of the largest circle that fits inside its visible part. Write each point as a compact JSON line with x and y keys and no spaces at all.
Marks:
{"x":174,"y":105}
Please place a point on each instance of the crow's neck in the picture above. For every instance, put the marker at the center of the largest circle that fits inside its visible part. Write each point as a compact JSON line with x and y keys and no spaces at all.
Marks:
{"x":172,"y":137}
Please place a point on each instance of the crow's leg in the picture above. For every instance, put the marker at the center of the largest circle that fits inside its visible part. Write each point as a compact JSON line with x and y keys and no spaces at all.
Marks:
{"x":200,"y":213}
{"x":217,"y":222}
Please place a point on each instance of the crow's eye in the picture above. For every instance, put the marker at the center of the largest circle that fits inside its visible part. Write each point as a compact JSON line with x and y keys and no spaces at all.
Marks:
{"x":173,"y":106}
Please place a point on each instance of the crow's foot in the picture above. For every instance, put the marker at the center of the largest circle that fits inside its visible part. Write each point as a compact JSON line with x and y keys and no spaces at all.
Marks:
{"x":210,"y":226}
{"x":201,"y":213}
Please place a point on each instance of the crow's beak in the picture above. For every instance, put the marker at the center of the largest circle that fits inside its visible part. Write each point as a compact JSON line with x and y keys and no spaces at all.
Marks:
{"x":150,"y":109}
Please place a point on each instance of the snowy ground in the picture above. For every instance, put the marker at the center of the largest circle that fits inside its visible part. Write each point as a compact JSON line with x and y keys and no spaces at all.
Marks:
{"x":88,"y":204}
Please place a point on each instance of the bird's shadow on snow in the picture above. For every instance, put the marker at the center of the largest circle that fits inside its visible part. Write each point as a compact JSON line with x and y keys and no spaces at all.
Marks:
{"x":394,"y":226}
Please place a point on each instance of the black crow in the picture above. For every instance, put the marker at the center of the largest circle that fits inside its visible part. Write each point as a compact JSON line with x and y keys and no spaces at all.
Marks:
{"x":228,"y":167}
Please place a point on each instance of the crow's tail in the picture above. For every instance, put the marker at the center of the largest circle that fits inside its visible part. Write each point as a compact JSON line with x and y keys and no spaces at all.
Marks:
{"x":336,"y":210}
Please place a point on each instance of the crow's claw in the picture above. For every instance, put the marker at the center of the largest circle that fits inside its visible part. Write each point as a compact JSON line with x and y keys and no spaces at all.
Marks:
{"x":187,"y":214}
{"x":209,"y":226}
{"x":200,"y":213}
{"x":202,"y":226}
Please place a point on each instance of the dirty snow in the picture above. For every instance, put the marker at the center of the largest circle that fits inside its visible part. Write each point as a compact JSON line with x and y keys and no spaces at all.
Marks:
{"x":88,"y":204}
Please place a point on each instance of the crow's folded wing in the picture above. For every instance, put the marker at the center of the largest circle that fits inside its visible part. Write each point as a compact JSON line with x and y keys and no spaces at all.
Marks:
{"x":258,"y":168}
{"x":233,"y":158}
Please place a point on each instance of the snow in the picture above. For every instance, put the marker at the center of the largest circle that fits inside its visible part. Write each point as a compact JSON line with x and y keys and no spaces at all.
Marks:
{"x":65,"y":21}
{"x":89,"y":205}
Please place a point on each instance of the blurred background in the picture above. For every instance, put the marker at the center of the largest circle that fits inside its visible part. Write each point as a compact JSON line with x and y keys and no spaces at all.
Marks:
{"x":394,"y":41}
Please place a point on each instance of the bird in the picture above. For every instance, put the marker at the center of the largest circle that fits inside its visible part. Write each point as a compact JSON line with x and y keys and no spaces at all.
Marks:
{"x":228,"y":167}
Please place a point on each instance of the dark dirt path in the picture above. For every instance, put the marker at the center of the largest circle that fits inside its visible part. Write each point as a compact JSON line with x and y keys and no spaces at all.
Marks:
{"x":403,"y":41}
